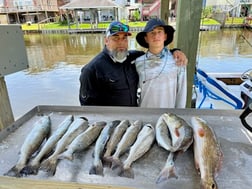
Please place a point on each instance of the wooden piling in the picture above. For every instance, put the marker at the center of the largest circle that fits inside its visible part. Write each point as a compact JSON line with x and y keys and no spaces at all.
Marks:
{"x":6,"y":115}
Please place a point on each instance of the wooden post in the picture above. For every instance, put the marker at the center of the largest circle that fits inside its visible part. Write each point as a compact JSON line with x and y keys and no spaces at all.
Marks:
{"x":164,"y":10}
{"x":187,"y":35}
{"x":6,"y":115}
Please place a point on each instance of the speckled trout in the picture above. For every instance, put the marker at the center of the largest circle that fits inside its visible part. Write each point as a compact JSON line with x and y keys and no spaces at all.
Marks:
{"x":97,"y":166}
{"x":208,"y":155}
{"x":174,"y":134}
{"x":115,"y":138}
{"x":126,"y":141}
{"x":143,"y":143}
{"x":39,"y":132}
{"x":83,"y":140}
{"x":78,"y":126}
{"x":33,"y":166}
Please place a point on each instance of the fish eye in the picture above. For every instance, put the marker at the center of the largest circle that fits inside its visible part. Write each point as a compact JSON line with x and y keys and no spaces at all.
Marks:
{"x":213,"y":186}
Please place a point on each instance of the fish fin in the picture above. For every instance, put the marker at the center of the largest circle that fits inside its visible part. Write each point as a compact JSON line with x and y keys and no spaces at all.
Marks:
{"x":13,"y":172}
{"x":49,"y":165}
{"x":129,"y":173}
{"x":84,"y":118}
{"x":96,"y":169}
{"x":165,"y":174}
{"x":201,"y":132}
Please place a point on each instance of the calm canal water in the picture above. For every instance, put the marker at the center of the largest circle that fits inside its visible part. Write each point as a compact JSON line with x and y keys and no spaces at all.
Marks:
{"x":55,"y":62}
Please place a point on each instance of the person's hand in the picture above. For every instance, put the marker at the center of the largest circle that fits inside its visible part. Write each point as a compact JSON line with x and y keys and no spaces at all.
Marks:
{"x":180,"y":58}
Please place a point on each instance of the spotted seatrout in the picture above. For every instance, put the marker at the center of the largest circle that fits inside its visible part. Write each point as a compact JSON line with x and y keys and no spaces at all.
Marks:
{"x":83,"y":140}
{"x":33,"y":166}
{"x":175,"y":135}
{"x":143,"y":143}
{"x":78,"y":126}
{"x":126,"y":141}
{"x":208,"y":155}
{"x":115,"y":138}
{"x":33,"y":141}
{"x":97,"y":166}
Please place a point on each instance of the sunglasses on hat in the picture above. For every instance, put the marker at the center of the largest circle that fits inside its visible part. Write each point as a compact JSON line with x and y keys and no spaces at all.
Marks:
{"x":116,"y":27}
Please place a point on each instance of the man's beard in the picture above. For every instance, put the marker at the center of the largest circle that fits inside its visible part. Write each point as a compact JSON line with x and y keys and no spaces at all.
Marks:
{"x":119,"y":56}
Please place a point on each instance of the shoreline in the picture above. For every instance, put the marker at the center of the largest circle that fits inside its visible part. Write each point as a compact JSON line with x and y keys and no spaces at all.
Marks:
{"x":132,"y":29}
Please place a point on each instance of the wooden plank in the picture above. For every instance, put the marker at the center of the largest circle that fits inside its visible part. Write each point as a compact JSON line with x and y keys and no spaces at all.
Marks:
{"x":6,"y":115}
{"x":187,"y":36}
{"x":165,"y":10}
{"x":24,"y":183}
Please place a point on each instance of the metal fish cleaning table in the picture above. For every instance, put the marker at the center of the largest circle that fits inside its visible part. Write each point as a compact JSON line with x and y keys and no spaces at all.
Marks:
{"x":235,"y":140}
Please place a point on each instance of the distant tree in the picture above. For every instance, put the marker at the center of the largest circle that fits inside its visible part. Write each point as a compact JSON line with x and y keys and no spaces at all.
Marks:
{"x":207,"y":12}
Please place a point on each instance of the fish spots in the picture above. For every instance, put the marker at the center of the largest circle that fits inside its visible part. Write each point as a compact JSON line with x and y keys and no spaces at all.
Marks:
{"x":201,"y":132}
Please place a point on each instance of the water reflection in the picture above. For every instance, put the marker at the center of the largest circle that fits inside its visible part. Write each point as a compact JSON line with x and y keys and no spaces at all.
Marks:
{"x":44,"y":51}
{"x":229,"y":42}
{"x":55,"y":62}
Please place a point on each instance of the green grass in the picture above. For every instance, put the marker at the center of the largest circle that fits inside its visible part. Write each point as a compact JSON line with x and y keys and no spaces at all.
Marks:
{"x":206,"y":21}
{"x":234,"y":20}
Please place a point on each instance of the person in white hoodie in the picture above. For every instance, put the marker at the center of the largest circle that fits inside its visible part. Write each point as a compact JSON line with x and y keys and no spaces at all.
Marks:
{"x":162,"y":83}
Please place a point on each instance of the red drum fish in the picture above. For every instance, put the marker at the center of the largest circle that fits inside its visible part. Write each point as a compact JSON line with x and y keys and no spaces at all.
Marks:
{"x":208,"y":156}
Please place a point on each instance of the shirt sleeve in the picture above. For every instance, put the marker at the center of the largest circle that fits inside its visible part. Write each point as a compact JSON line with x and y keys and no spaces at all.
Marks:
{"x":88,"y":87}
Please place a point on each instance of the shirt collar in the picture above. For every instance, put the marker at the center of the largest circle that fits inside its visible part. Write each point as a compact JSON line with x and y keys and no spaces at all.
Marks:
{"x":160,"y":55}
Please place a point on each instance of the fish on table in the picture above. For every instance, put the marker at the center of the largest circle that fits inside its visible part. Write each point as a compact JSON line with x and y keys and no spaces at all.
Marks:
{"x":83,"y":140}
{"x":208,"y":155}
{"x":115,"y":138}
{"x":97,"y":166}
{"x":33,"y":166}
{"x":125,"y":143}
{"x":78,"y":126}
{"x":39,"y":132}
{"x":143,"y":143}
{"x":175,"y":135}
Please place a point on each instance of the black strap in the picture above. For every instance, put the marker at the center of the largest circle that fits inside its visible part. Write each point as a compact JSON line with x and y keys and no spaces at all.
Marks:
{"x":244,"y":114}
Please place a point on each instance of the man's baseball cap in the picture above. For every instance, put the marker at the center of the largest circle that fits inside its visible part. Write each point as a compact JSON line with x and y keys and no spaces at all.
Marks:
{"x":117,"y":27}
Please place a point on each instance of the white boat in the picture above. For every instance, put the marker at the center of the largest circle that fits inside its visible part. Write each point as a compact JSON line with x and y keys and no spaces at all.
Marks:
{"x":211,"y":93}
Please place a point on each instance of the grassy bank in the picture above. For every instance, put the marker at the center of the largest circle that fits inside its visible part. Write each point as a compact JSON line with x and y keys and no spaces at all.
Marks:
{"x":105,"y":24}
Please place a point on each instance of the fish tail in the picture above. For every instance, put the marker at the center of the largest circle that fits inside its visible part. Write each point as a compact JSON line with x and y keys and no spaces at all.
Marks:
{"x":66,"y":155}
{"x":165,"y":174}
{"x":49,"y":166}
{"x":30,"y":170}
{"x":96,"y":169}
{"x":129,"y":173}
{"x":107,"y":161}
{"x":116,"y":162}
{"x":13,"y":172}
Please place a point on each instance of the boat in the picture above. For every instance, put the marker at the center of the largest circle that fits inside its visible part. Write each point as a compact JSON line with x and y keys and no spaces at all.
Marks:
{"x":211,"y":93}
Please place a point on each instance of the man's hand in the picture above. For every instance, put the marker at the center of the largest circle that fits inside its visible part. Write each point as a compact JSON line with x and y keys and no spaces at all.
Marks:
{"x":180,"y":58}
